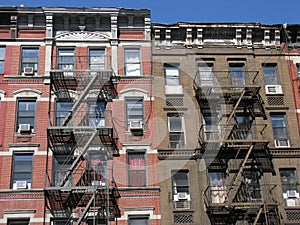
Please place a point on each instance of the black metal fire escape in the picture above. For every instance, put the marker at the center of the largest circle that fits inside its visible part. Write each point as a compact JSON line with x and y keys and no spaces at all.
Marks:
{"x":232,"y":141}
{"x":87,"y":127}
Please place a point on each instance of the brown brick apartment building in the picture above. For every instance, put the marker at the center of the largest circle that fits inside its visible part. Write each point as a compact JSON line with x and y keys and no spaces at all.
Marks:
{"x":77,"y":117}
{"x":231,"y":153}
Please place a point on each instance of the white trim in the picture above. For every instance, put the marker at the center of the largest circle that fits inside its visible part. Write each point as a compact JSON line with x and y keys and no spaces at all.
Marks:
{"x":145,"y":211}
{"x":27,"y":93}
{"x":2,"y":93}
{"x":35,"y":151}
{"x":132,"y":93}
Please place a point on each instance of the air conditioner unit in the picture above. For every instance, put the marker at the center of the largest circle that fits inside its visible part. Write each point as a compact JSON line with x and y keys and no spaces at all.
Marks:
{"x":273,"y":89}
{"x":24,"y":127}
{"x":182,"y":196}
{"x":292,"y":194}
{"x":20,"y":185}
{"x":290,"y":202}
{"x":136,"y":125}
{"x":28,"y":70}
{"x":96,"y":183}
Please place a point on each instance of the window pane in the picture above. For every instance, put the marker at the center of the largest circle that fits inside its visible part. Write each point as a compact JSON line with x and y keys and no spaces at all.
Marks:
{"x":180,"y":182}
{"x":206,"y":74}
{"x":175,"y":123}
{"x":26,"y":113}
{"x":138,"y":221}
{"x":132,"y":62}
{"x":137,"y":169}
{"x":237,"y":75}
{"x":135,"y":110}
{"x":172,"y":75}
{"x":288,"y":179}
{"x":2,"y":53}
{"x":270,"y":75}
{"x":22,"y":167}
{"x":97,"y":59}
{"x":62,"y":110}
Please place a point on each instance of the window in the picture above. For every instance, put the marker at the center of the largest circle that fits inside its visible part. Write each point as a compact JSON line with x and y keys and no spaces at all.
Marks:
{"x":138,"y":221}
{"x":96,"y":168}
{"x":218,"y":187}
{"x":237,"y":74}
{"x":206,"y":74}
{"x":25,"y":116}
{"x":289,"y":179}
{"x":136,"y":169}
{"x":180,"y":182}
{"x":61,"y":165}
{"x":176,"y":131}
{"x":270,"y":74}
{"x":253,"y":184}
{"x":97,"y":113}
{"x":2,"y":57}
{"x":66,"y":60}
{"x":132,"y":62}
{"x":298,"y":68}
{"x":61,"y":222}
{"x":280,"y":130}
{"x":21,"y":221}
{"x":62,"y":111}
{"x":97,"y":59}
{"x":211,"y":128}
{"x":22,"y":170}
{"x":244,"y":128}
{"x":172,"y":75}
{"x":30,"y":59}
{"x":135,"y":112}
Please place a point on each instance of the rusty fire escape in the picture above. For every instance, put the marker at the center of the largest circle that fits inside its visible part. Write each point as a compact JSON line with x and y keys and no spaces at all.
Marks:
{"x":77,"y":193}
{"x":232,"y":141}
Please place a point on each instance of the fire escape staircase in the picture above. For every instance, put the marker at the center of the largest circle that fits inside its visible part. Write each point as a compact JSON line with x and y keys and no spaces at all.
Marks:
{"x":76,"y":136}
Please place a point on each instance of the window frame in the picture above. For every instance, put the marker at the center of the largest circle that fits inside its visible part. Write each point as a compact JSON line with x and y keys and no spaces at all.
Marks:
{"x":128,"y":110}
{"x":237,"y":69}
{"x":139,"y":172}
{"x":284,"y":127}
{"x":2,"y":59}
{"x":181,"y":141}
{"x":18,"y":221}
{"x":61,"y":163}
{"x":33,"y":117}
{"x":34,"y":60}
{"x":69,"y":64}
{"x":56,"y":117}
{"x":28,"y":178}
{"x":269,"y":77}
{"x":146,"y":218}
{"x":134,"y":63}
{"x":173,"y":78}
{"x":98,"y":60}
{"x":206,"y":73}
{"x":186,"y":188}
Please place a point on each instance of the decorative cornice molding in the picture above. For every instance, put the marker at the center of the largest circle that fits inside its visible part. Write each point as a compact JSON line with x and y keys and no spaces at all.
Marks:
{"x":82,"y":35}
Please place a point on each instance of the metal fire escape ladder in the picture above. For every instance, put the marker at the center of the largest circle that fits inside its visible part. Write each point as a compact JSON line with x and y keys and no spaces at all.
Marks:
{"x":235,"y":107}
{"x":87,"y":208}
{"x":77,"y":160}
{"x":258,"y":215}
{"x":238,"y":177}
{"x":79,"y":100}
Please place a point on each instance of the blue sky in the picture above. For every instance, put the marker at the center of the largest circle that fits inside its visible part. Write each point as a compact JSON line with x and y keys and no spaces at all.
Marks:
{"x":168,"y":11}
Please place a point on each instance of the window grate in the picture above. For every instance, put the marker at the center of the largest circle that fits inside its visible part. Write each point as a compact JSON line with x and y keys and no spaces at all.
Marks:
{"x":183,"y":218}
{"x":293,"y":215}
{"x":174,"y":101}
{"x":276,"y":100}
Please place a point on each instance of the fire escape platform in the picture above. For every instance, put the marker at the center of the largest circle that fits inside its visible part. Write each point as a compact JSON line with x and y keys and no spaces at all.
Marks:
{"x":68,"y":198}
{"x":64,"y":139}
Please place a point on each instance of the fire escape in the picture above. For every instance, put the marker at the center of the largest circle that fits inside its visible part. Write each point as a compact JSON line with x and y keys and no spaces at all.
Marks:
{"x":233,"y":146}
{"x":83,"y":141}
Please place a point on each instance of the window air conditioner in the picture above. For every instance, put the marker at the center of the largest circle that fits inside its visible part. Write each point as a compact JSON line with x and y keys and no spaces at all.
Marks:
{"x":273,"y":89}
{"x":20,"y":185}
{"x":182,"y":196}
{"x":28,"y":71}
{"x":136,"y":125}
{"x":24,"y":127}
{"x":292,"y":194}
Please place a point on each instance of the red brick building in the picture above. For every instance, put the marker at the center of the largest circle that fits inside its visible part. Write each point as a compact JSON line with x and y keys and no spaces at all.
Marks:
{"x":77,"y":117}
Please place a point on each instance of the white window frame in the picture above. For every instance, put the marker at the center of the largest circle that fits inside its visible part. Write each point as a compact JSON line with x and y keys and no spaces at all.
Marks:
{"x":2,"y":59}
{"x":180,"y":131}
{"x":132,"y":66}
{"x":172,"y":74}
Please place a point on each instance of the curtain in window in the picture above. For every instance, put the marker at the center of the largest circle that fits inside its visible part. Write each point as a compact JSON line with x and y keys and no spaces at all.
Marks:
{"x":137,"y":173}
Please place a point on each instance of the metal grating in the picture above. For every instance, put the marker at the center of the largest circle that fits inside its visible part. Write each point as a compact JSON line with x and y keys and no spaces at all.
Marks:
{"x":293,"y":215}
{"x":174,"y":101}
{"x":183,"y":218}
{"x":279,"y":100}
{"x":182,"y":204}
